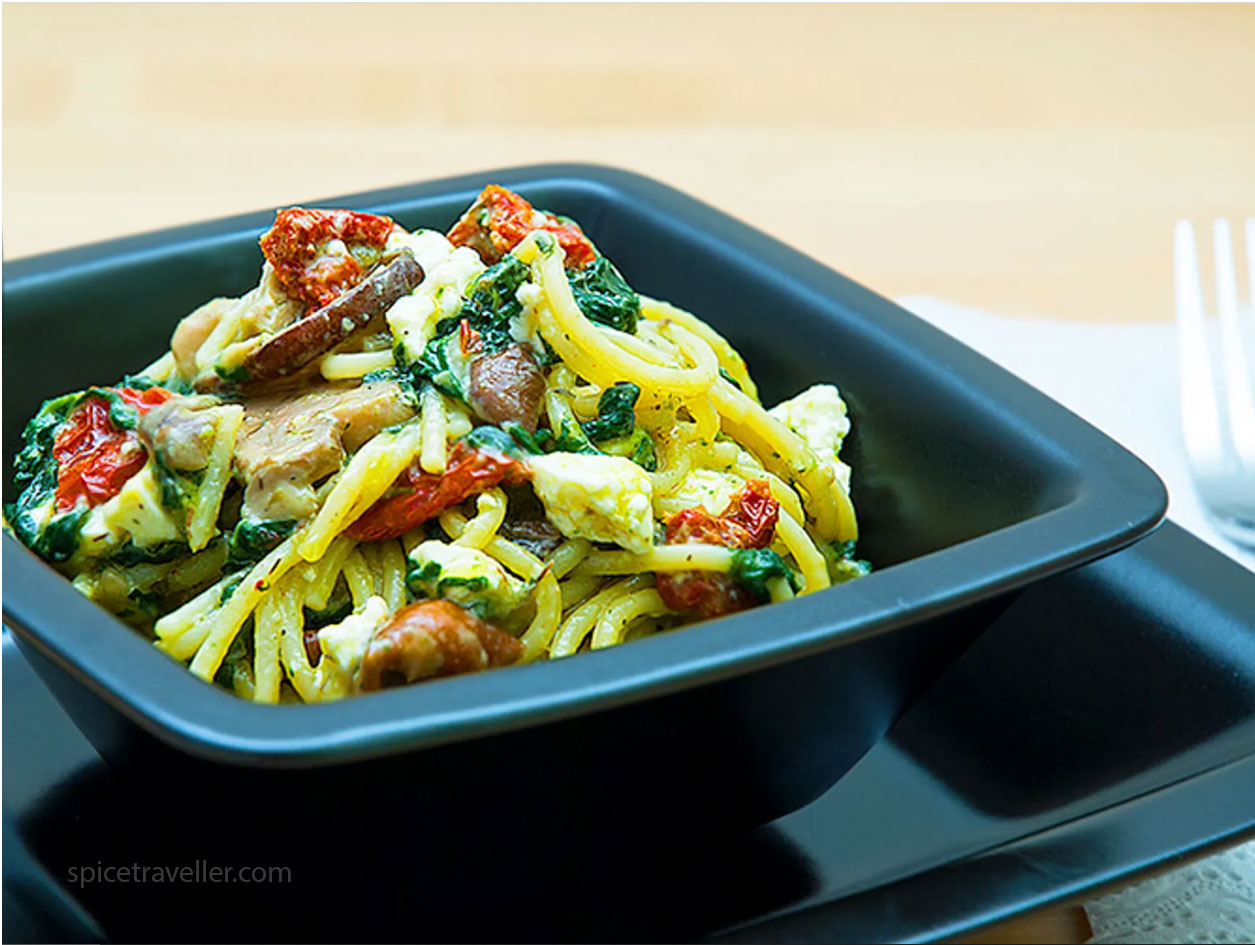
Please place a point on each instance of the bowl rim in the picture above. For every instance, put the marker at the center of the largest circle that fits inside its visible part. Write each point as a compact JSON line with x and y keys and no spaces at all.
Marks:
{"x":1117,"y":500}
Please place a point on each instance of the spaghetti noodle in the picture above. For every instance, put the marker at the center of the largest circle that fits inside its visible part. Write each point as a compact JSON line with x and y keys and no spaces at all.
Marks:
{"x":405,"y":455}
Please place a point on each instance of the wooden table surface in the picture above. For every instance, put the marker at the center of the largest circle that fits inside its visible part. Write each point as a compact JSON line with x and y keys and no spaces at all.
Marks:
{"x":1028,"y":160}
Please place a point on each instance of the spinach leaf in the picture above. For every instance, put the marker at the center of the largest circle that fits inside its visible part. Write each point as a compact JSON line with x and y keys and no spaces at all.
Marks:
{"x":35,"y":480}
{"x":434,"y":366}
{"x":570,"y":438}
{"x":532,"y":443}
{"x":615,"y":430}
{"x":229,"y":588}
{"x":752,"y":567}
{"x":138,"y":382}
{"x":131,"y":554}
{"x":339,"y":606}
{"x":59,"y":539}
{"x":237,"y":661}
{"x":146,"y":609}
{"x":178,"y":489}
{"x":403,"y":373}
{"x":842,"y":565}
{"x":123,"y":415}
{"x":638,"y":446}
{"x":492,"y":439}
{"x":34,"y":465}
{"x":253,"y":540}
{"x":604,"y":296}
{"x":232,"y":374}
{"x":491,"y":304}
{"x":615,"y":412}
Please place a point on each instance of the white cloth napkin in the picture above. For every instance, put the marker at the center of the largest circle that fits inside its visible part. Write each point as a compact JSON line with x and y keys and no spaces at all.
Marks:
{"x":1123,"y":379}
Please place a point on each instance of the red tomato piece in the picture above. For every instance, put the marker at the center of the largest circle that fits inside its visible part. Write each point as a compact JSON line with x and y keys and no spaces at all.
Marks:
{"x":421,"y":496}
{"x":500,"y":219}
{"x":705,"y":593}
{"x":469,"y":340}
{"x":749,"y":521}
{"x":296,"y":246}
{"x":94,"y":458}
{"x":755,"y":512}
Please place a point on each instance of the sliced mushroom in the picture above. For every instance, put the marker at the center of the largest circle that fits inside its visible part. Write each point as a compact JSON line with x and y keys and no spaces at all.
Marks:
{"x":324,"y":328}
{"x":181,"y":431}
{"x":508,"y":386}
{"x":433,"y":638}
{"x":288,"y":442}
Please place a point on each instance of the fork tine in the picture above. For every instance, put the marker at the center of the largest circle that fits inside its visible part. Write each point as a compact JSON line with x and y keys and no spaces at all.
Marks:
{"x":1200,"y":418}
{"x":1250,"y":261}
{"x":1238,"y":396}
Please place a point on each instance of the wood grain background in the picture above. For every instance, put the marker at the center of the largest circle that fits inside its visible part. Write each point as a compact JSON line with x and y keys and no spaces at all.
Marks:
{"x":1029,"y":160}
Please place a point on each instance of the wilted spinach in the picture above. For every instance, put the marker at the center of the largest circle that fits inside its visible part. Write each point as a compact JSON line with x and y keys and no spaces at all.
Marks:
{"x":604,"y":296}
{"x":753,"y":567}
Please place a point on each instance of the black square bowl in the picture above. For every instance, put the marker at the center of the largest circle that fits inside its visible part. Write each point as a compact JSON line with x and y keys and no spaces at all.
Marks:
{"x":967,"y":481}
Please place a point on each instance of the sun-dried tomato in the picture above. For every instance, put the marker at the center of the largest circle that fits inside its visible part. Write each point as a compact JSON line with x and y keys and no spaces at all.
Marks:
{"x":94,"y":457}
{"x":296,"y":246}
{"x":420,"y":496}
{"x":749,"y":521}
{"x":500,"y":219}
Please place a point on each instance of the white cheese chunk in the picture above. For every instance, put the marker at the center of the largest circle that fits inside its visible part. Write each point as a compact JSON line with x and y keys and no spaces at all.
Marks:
{"x":818,"y":416}
{"x":707,"y":488}
{"x":428,"y":247}
{"x":448,"y":273}
{"x":346,"y":641}
{"x":467,"y":577}
{"x":135,"y":512}
{"x":601,"y":498}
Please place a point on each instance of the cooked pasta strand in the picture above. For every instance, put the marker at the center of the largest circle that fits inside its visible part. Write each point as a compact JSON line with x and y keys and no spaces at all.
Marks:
{"x":784,"y":453}
{"x":340,"y":367}
{"x":177,"y":622}
{"x":392,"y":559}
{"x":591,"y":353}
{"x":160,"y":370}
{"x":576,"y":589}
{"x":256,"y":584}
{"x":213,"y":485}
{"x":580,"y":622}
{"x":267,"y":632}
{"x":567,"y":555}
{"x":359,"y":579}
{"x":490,"y":509}
{"x":811,"y":563}
{"x":435,"y":431}
{"x":325,"y":572}
{"x":370,"y":473}
{"x":544,"y":625}
{"x":614,"y":622}
{"x":729,"y":359}
{"x":696,"y":557}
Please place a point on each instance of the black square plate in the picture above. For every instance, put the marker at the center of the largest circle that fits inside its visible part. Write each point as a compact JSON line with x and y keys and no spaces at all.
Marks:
{"x":968,"y":483}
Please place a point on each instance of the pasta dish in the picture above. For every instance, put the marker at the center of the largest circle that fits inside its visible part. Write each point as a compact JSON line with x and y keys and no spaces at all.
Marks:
{"x":409,"y":455}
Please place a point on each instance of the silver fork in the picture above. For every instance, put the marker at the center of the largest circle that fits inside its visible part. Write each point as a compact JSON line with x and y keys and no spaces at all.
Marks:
{"x":1219,"y":430}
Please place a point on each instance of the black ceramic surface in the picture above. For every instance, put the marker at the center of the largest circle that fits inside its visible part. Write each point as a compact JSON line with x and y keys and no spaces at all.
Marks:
{"x":907,"y":847}
{"x":969,"y":483}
